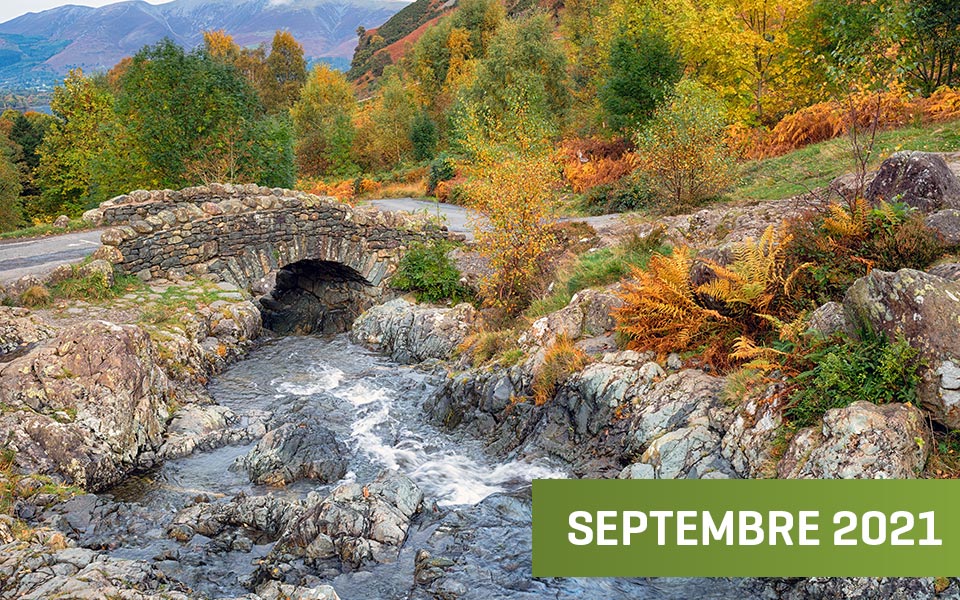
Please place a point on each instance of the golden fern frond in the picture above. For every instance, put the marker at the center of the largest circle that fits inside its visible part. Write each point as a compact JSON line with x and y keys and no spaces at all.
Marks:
{"x":848,"y":222}
{"x":792,"y":278}
{"x":787,"y":331}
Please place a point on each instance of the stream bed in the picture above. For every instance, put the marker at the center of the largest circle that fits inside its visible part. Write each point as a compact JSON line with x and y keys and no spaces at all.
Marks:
{"x":476,"y":507}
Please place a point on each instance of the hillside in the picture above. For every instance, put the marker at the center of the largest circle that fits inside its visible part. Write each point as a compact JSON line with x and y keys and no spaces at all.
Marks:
{"x":37,"y":49}
{"x":385,"y":45}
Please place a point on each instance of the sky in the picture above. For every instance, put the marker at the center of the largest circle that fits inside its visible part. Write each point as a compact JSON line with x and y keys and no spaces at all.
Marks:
{"x":14,"y":8}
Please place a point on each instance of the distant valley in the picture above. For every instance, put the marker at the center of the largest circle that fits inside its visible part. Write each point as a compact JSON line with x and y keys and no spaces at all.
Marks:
{"x":37,"y":49}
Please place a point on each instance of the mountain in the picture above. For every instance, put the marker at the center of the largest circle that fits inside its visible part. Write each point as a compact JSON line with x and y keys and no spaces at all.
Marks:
{"x":37,"y":49}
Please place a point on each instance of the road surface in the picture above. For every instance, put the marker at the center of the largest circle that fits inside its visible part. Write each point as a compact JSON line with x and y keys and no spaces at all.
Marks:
{"x":40,"y":255}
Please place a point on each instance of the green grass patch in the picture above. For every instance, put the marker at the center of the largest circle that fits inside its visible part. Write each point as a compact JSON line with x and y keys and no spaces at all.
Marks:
{"x":599,"y":268}
{"x":817,"y":165}
{"x":46,"y":230}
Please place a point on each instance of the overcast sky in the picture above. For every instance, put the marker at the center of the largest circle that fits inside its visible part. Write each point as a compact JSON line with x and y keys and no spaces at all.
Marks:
{"x":14,"y":8}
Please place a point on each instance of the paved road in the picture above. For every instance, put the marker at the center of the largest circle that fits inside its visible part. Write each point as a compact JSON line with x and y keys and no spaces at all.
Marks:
{"x":40,"y":255}
{"x":454,"y":217}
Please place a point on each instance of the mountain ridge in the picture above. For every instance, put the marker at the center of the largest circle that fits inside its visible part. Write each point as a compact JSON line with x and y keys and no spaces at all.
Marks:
{"x":37,"y":49}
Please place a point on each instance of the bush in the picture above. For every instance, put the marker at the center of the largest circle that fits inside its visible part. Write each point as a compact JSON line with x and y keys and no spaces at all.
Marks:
{"x":427,"y":271}
{"x":844,"y":244}
{"x":561,"y":359}
{"x":423,"y":136}
{"x":683,"y":151}
{"x":628,"y":194}
{"x":846,"y":371}
{"x":443,"y":168}
{"x":486,"y":346}
{"x":724,"y":317}
{"x":35,"y":296}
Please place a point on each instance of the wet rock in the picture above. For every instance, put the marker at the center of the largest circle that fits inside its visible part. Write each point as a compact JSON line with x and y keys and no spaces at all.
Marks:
{"x":294,"y":451}
{"x":925,"y":310}
{"x":88,"y":406}
{"x":196,"y":427}
{"x":919,"y":179}
{"x":828,"y":319}
{"x":860,"y":441}
{"x":356,"y":524}
{"x":34,"y":572}
{"x":412,"y":333}
{"x":20,"y":328}
{"x":587,"y":315}
{"x":854,"y":588}
{"x":267,"y":515}
{"x":274,"y":590}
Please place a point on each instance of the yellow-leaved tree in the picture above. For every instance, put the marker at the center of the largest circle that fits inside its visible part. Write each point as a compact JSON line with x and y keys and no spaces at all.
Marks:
{"x":513,"y":183}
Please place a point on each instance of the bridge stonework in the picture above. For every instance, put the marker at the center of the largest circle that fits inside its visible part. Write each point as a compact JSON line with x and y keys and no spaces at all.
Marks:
{"x":315,"y":262}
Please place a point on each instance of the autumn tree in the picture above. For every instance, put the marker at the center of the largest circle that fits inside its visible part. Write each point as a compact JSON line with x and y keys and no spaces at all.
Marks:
{"x":68,"y":151}
{"x":512,"y":186}
{"x":524,"y":67}
{"x":323,"y":125}
{"x":683,"y":151}
{"x":285,"y":73}
{"x":383,"y":133}
{"x":11,"y":216}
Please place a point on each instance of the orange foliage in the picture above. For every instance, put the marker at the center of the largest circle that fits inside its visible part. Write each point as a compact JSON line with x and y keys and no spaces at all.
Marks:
{"x":369,"y":186}
{"x":588,"y":163}
{"x":942,"y":106}
{"x":341,"y":190}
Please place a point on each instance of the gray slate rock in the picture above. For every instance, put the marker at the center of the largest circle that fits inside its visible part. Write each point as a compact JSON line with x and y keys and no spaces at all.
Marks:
{"x":295,"y":451}
{"x":860,"y":441}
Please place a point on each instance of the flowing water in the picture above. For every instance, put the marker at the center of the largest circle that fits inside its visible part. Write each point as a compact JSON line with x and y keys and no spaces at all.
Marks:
{"x":374,"y":406}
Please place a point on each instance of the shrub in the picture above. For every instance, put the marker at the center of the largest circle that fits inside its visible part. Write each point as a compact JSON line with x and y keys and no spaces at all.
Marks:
{"x":443,"y":168}
{"x":846,"y":371}
{"x":423,"y":136}
{"x":683,"y":151}
{"x":427,"y":271}
{"x":629,"y":194}
{"x":561,"y":359}
{"x":724,"y":317}
{"x":35,"y":296}
{"x":845,"y":243}
{"x":486,"y":346}
{"x":87,"y":287}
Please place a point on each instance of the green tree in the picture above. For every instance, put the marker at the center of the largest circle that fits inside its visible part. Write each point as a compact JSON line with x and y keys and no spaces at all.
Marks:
{"x":183,"y":118}
{"x":323,"y":125}
{"x":65,"y":169}
{"x":285,"y":73}
{"x":931,"y":43}
{"x":524,"y":67}
{"x":643,"y":69}
{"x":424,"y":136}
{"x":11,"y":216}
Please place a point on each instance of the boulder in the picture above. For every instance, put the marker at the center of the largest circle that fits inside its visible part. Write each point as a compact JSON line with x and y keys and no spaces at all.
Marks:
{"x":948,"y":271}
{"x":749,"y":443}
{"x":860,"y":441}
{"x":411,"y":333}
{"x":920,"y":179}
{"x":20,"y":328}
{"x":207,"y":427}
{"x":925,"y":310}
{"x":587,"y":315}
{"x":88,"y":407}
{"x":357,"y":524}
{"x":828,"y":319}
{"x":267,"y":515}
{"x":93,"y":217}
{"x":295,"y":451}
{"x":35,"y":572}
{"x":62,"y":222}
{"x":947,"y":224}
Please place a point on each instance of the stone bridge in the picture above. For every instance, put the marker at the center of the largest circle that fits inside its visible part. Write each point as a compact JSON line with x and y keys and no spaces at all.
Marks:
{"x":315,"y":263}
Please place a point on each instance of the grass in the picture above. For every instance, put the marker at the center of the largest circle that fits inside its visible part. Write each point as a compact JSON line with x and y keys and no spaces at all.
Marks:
{"x":599,"y":268}
{"x":46,"y":230}
{"x":819,"y":164}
